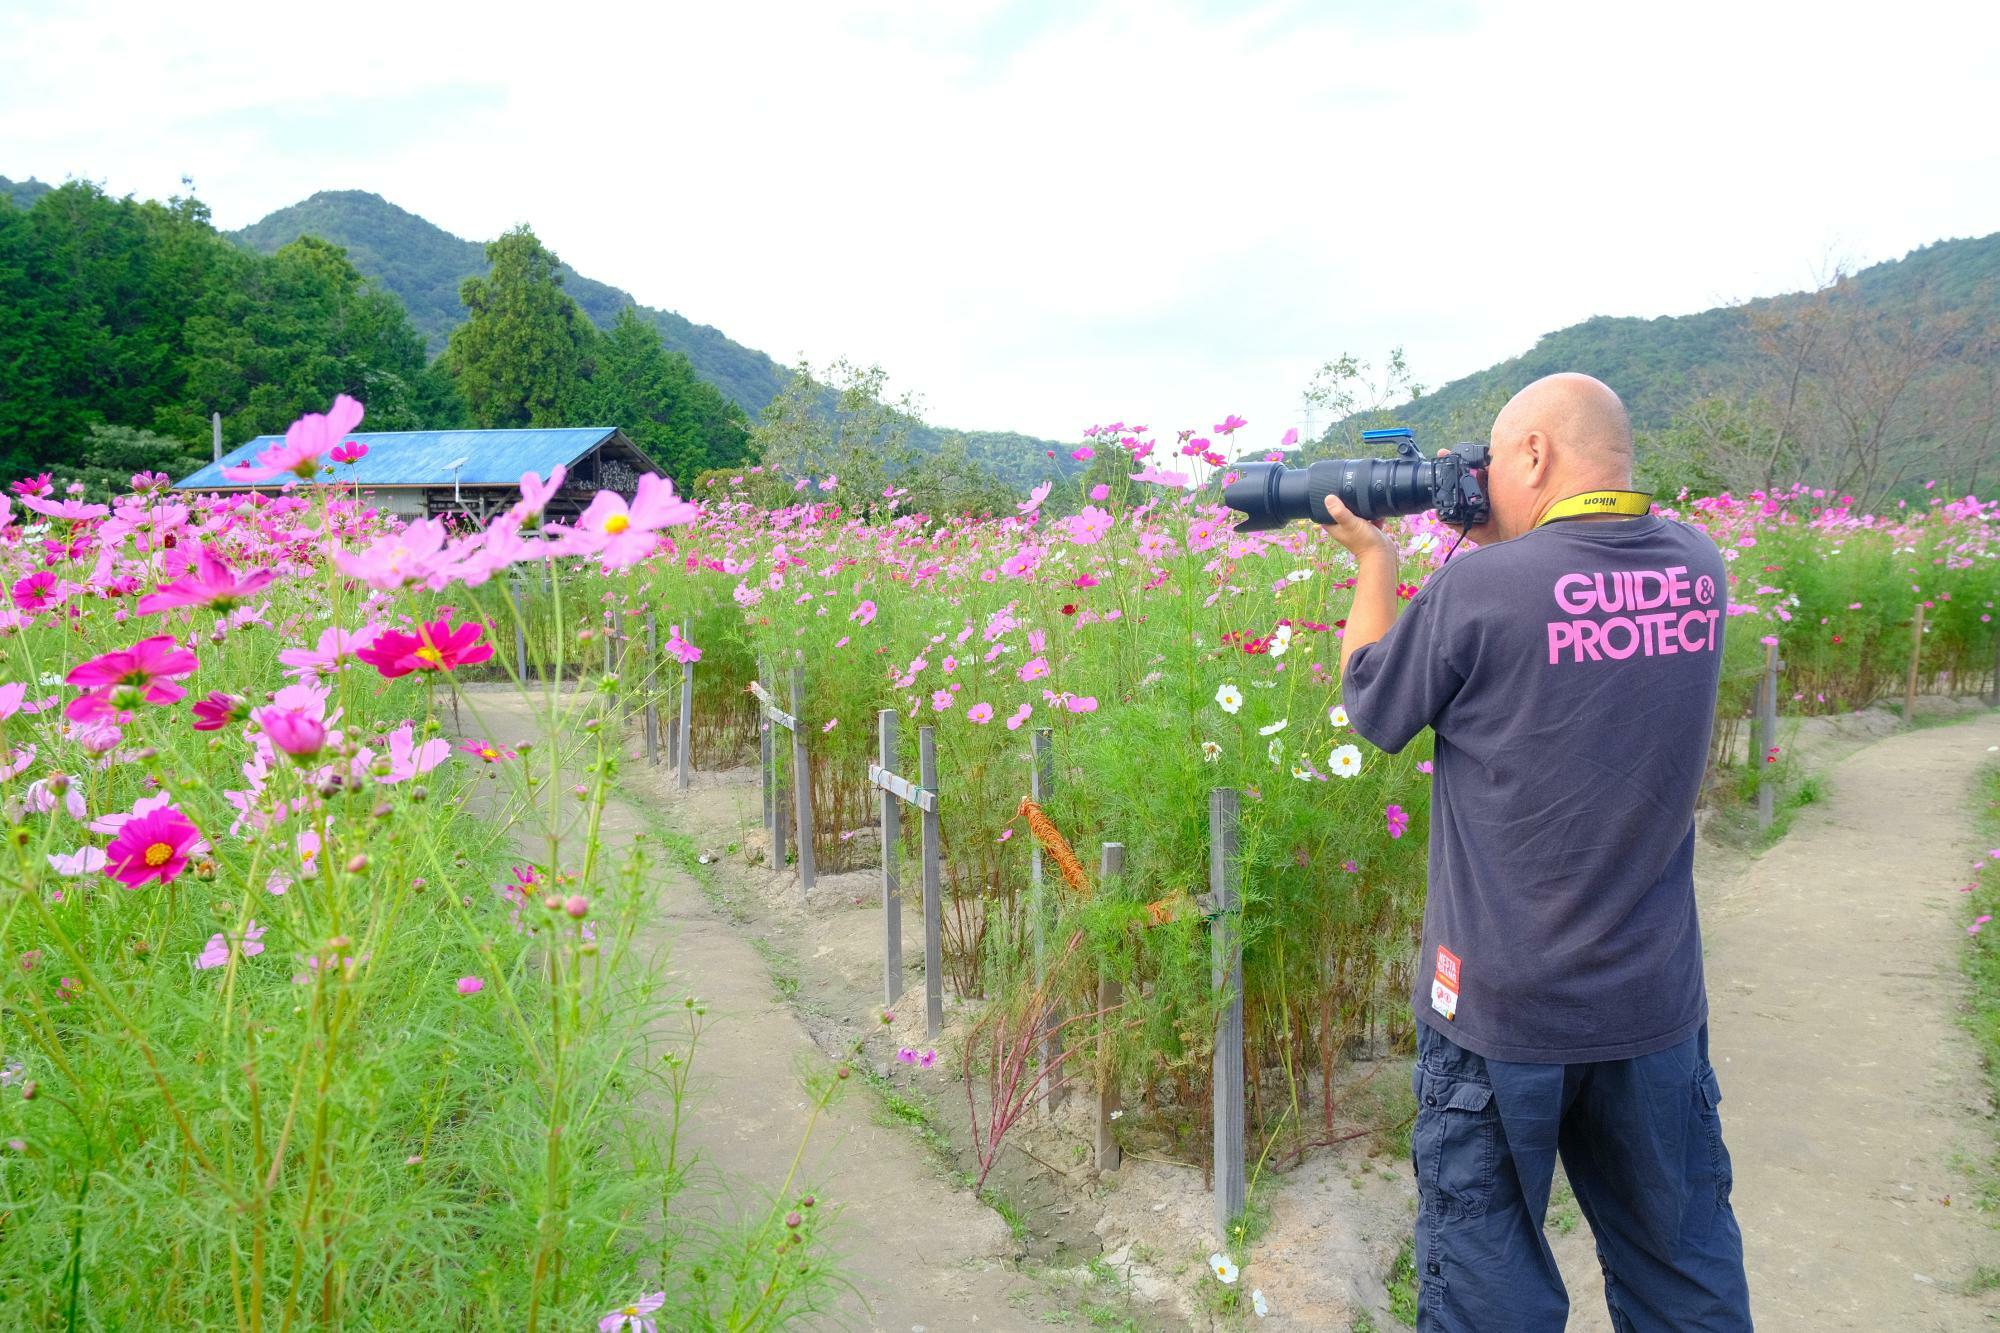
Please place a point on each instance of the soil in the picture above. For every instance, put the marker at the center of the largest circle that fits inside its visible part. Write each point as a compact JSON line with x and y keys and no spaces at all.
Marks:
{"x":1853,"y":1103}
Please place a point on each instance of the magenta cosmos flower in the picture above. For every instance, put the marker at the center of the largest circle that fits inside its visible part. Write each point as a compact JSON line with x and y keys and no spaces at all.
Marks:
{"x":299,"y":453}
{"x":436,"y":646}
{"x":209,"y":583}
{"x":154,"y":845}
{"x":218,"y":710}
{"x":491,"y":752}
{"x":620,"y":535}
{"x":143,"y":673}
{"x":633,"y":1317}
{"x":1397,"y":819}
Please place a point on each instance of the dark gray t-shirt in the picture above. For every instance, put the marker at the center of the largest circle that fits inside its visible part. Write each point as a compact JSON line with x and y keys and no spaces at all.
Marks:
{"x":1570,"y":677}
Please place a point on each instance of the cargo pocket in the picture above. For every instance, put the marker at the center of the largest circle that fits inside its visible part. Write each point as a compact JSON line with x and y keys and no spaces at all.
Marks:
{"x":1708,"y":1095}
{"x":1454,"y":1144}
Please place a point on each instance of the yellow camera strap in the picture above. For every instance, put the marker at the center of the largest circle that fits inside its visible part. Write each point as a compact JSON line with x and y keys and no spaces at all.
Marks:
{"x":1630,"y":504}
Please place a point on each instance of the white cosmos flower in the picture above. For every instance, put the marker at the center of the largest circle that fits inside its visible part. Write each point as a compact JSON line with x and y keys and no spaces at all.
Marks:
{"x":1276,"y":750}
{"x":1230,"y":698}
{"x":1274,"y":728}
{"x":1225,"y":1272}
{"x":1338,"y":715}
{"x":1345,"y":760}
{"x":1298,"y":576}
{"x":1259,"y":1304}
{"x":1280,"y":641}
{"x":1210,"y":752}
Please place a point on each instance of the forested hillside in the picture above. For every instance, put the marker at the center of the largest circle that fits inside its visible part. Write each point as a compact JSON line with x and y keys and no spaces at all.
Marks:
{"x":1877,"y":381}
{"x":425,"y":265}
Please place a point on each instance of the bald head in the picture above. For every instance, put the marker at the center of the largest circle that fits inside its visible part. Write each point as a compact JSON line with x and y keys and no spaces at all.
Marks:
{"x":1582,"y":419}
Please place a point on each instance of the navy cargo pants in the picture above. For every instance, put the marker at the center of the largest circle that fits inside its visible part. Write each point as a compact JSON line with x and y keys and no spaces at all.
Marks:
{"x":1642,"y":1145}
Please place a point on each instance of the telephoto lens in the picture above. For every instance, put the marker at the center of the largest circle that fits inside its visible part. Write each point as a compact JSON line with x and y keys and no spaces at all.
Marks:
{"x":1270,"y":495}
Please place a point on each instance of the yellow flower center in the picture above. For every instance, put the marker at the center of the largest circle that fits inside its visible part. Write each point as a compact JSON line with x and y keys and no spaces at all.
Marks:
{"x":431,"y":655}
{"x":616,"y":524}
{"x":159,"y":854}
{"x":489,"y":754}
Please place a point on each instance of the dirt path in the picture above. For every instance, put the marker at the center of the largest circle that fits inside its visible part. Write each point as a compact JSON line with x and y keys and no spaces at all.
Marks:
{"x":1851,"y":1096}
{"x":921,"y":1254}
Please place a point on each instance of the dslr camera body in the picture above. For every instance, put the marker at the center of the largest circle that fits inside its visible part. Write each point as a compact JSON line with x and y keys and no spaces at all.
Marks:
{"x":1270,"y":495}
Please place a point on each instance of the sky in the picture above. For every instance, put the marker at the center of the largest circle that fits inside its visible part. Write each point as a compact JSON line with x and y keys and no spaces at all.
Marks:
{"x":1042,"y":216}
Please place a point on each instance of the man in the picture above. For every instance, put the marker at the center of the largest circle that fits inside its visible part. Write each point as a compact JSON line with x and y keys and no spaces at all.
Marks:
{"x":1568,"y":668}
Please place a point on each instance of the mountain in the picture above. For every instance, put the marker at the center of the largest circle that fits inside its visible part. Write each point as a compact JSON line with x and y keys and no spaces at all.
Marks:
{"x":1659,"y":366}
{"x":423,"y":265}
{"x":22,"y":194}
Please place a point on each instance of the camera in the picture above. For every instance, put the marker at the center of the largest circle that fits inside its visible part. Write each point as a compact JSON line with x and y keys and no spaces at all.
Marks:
{"x":1271,"y":495}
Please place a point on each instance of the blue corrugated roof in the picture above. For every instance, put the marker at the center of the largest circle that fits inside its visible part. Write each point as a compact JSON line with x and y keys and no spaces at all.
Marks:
{"x":424,"y":457}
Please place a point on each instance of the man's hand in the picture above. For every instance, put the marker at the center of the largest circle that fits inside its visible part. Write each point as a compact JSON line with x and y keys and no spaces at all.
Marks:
{"x":1362,"y":537}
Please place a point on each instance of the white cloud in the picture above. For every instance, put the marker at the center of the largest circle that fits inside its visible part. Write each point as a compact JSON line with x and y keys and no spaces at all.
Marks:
{"x":1042,"y":217}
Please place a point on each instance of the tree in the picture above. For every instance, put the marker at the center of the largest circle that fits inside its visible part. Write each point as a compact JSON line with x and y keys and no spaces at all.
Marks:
{"x":680,"y":420}
{"x":856,"y":437}
{"x":523,"y":354}
{"x":109,"y":457}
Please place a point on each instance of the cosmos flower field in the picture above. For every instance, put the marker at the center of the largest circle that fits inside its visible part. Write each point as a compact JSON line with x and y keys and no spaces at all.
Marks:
{"x":274,"y":913}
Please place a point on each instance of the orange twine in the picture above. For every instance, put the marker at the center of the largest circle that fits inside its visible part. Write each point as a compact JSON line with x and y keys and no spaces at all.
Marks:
{"x":1057,"y":846}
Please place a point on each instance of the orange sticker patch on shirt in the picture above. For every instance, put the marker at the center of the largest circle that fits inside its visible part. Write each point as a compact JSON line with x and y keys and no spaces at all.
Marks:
{"x":1444,"y":984}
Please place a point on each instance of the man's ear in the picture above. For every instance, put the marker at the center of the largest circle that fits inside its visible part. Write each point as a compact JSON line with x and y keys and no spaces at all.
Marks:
{"x":1538,"y":457}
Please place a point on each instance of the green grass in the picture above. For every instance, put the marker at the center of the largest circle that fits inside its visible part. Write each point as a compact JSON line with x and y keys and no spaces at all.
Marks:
{"x":1982,"y":968}
{"x":1403,"y":1286}
{"x":916,"y":1112}
{"x":784,"y":968}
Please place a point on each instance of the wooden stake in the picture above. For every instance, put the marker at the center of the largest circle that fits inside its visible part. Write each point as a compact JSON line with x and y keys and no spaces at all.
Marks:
{"x":685,"y":744}
{"x":892,"y":833}
{"x":1765,"y":736}
{"x":1916,"y":652}
{"x":802,"y":780}
{"x":1111,"y":865}
{"x":927,"y":777}
{"x":520,"y":633}
{"x":652,"y":699}
{"x":1226,"y":974}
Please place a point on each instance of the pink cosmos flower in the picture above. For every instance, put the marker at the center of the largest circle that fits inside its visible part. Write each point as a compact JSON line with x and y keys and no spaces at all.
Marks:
{"x":1229,"y":425}
{"x":536,"y":494}
{"x":1160,"y":477}
{"x":1084,"y":454}
{"x":927,"y":1059}
{"x":351,"y":452}
{"x":829,"y":484}
{"x":1035,"y":498}
{"x":1291,"y":438}
{"x":1083,"y":703}
{"x":298,"y":734}
{"x":491,"y":752}
{"x":1021,"y":715}
{"x":940,"y":700}
{"x":413,"y":555}
{"x":620,"y":535}
{"x":217,"y":952}
{"x":209,"y":583}
{"x":1397,"y":819}
{"x":41,"y":485}
{"x":153,"y":845}
{"x":73,"y":510}
{"x":437,"y":645}
{"x":1034,"y":668}
{"x":831,"y":723}
{"x":116,"y":681}
{"x":633,"y":1317}
{"x":14,"y":699}
{"x":82,"y":861}
{"x":680,"y":649}
{"x":408,"y":760}
{"x":337,"y":648}
{"x":981,"y":713}
{"x":864,"y":613}
{"x":471,"y":985}
{"x":298,"y":455}
{"x":1100,"y":492}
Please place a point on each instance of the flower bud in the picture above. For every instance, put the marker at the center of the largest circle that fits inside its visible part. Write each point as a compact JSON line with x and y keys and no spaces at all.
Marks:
{"x":553,"y":903}
{"x":29,"y":1089}
{"x":357,"y":863}
{"x":577,"y":906}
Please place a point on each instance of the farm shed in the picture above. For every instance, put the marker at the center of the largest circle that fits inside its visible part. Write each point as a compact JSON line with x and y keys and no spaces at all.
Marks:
{"x":426,"y":473}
